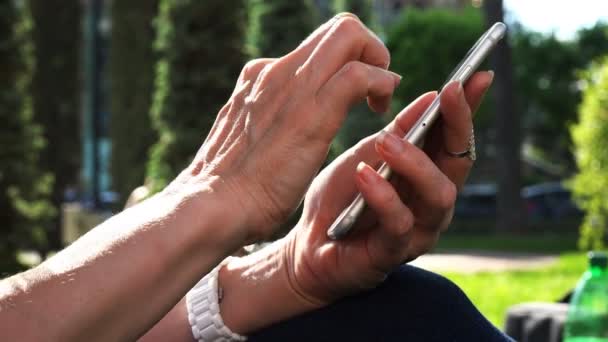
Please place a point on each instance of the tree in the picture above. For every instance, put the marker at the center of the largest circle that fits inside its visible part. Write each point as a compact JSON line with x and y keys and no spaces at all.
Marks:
{"x":132,"y":61}
{"x":278,"y":26}
{"x":507,"y":129}
{"x":592,"y":42}
{"x":56,"y":90}
{"x":590,"y":137}
{"x":546,"y":77}
{"x":24,"y":206}
{"x":201,"y":54}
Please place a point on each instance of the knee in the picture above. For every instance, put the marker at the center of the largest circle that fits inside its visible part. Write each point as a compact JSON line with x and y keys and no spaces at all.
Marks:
{"x":425,"y":289}
{"x":422,"y":280}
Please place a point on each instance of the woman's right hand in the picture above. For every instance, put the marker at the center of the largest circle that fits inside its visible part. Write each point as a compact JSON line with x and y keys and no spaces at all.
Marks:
{"x":270,"y":139}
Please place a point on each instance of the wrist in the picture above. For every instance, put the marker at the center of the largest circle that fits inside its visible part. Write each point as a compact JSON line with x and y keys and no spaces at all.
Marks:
{"x":209,"y":217}
{"x":257,"y":291}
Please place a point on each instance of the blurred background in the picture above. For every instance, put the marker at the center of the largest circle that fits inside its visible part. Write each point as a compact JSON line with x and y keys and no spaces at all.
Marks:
{"x":99,"y":98}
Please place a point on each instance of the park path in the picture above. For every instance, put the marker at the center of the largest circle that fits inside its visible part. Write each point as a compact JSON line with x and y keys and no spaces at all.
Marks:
{"x":472,"y":262}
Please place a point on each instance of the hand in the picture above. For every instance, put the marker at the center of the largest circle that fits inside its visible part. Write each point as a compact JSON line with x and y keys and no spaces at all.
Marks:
{"x":404,"y":217}
{"x":272,"y":136}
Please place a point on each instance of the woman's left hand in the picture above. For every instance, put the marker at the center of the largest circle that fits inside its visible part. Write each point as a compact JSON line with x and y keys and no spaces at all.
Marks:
{"x":404,"y":217}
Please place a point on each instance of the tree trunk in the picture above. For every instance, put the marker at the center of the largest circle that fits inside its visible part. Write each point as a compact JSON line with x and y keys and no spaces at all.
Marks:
{"x":508,"y":131}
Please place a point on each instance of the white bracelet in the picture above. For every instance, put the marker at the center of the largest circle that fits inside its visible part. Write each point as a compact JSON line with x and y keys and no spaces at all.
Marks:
{"x":204,"y":315}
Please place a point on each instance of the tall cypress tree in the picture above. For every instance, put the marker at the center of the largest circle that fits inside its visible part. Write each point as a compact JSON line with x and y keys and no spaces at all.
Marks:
{"x":201,"y":47}
{"x":132,"y":60}
{"x":56,"y":90}
{"x":278,"y":26}
{"x":24,"y":206}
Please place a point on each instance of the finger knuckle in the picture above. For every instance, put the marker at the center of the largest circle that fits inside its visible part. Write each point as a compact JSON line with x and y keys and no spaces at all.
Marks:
{"x":253,"y":68}
{"x":355,"y":72}
{"x":276,"y":72}
{"x":348,"y":25}
{"x":388,"y":198}
{"x":447,"y":196}
{"x":362,"y":148}
{"x":405,"y":223}
{"x":267,"y":72}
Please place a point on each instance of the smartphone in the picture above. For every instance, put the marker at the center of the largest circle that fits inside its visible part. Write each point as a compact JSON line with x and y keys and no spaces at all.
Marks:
{"x":469,"y":64}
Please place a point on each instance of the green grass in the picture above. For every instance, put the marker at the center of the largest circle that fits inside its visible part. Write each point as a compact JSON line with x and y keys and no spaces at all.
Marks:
{"x":493,"y":293}
{"x":529,"y":243}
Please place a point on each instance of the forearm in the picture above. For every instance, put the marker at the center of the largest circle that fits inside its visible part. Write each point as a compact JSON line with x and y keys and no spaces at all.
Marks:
{"x":120,"y":278}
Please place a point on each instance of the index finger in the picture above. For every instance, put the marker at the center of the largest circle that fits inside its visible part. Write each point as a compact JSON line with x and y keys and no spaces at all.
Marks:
{"x":347,"y":40}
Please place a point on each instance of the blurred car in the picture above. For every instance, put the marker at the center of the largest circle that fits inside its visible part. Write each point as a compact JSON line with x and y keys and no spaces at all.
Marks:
{"x":550,"y":201}
{"x":476,"y":201}
{"x":543,"y":201}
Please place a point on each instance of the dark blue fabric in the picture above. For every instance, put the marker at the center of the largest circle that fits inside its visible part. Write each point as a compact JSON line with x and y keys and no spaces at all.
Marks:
{"x":411,"y":305}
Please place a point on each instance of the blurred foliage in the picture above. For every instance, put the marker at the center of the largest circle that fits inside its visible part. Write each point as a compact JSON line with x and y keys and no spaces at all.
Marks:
{"x":131,"y":68}
{"x":426,"y":45}
{"x":546,"y":84}
{"x":201,"y":54}
{"x":277,"y":26}
{"x":24,"y":190}
{"x":592,"y":42}
{"x":56,"y":92}
{"x":590,"y":136}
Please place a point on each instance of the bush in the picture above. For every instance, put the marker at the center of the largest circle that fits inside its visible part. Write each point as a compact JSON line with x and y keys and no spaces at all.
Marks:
{"x":131,"y":68}
{"x":426,"y":45}
{"x":590,"y":137}
{"x":25,"y":210}
{"x":201,"y":54}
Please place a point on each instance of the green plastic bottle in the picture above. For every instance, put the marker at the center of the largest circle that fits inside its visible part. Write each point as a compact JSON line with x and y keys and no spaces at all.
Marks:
{"x":588,"y":312}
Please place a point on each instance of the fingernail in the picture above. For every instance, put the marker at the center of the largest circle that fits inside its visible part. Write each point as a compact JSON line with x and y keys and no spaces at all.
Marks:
{"x":346,"y":14}
{"x":491,"y":73}
{"x":365,"y":173}
{"x":460,"y":89}
{"x":390,"y":143}
{"x":396,"y":77}
{"x":338,"y":16}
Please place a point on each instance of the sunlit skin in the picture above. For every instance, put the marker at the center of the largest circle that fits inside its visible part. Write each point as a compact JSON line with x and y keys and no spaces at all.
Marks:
{"x":259,"y":160}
